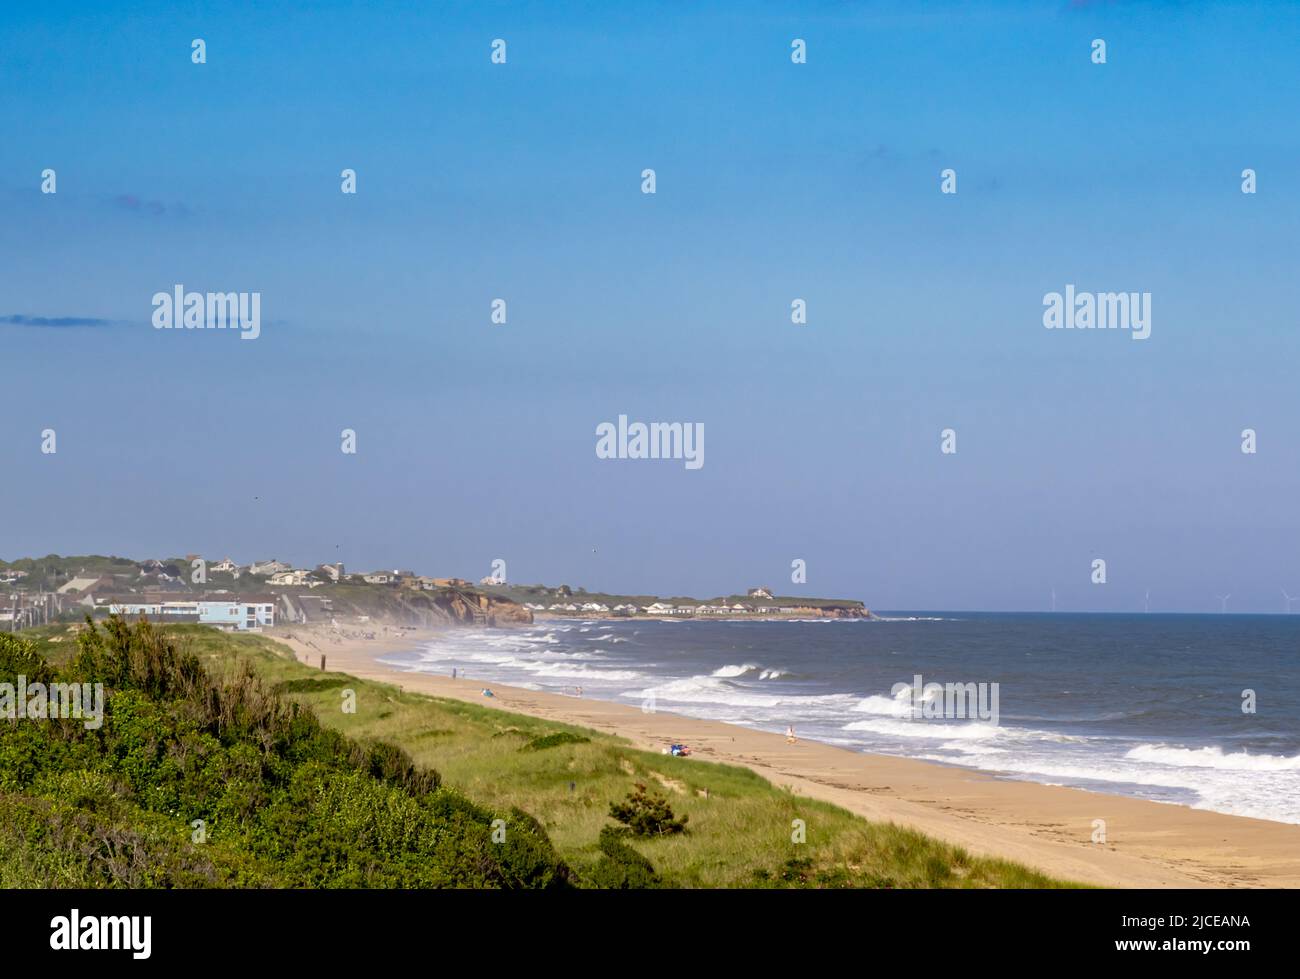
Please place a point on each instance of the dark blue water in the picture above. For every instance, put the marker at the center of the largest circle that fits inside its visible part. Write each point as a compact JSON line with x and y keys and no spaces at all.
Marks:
{"x":1143,"y":705}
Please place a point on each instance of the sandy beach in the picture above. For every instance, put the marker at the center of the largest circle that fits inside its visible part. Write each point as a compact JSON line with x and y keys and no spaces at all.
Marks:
{"x":1050,"y":828}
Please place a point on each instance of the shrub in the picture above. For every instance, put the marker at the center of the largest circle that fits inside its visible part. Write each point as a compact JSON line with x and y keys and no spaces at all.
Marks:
{"x":285,"y":802}
{"x":647,"y":815}
{"x":620,"y":867}
{"x":554,"y":741}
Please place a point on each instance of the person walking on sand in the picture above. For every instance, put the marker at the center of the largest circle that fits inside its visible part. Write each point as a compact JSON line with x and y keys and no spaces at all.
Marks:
{"x":453,"y":672}
{"x":789,"y":735}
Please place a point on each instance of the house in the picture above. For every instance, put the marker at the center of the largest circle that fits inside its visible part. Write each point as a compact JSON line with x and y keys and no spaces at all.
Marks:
{"x":268,"y":567}
{"x":292,"y":578}
{"x":761,"y":593}
{"x":334,"y":572}
{"x":451,"y":583}
{"x":378,"y":578}
{"x":234,"y":615}
{"x":79,"y":586}
{"x":225,"y":566}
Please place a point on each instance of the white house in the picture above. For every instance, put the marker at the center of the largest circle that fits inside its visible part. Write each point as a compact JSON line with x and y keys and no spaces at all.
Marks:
{"x":292,"y":578}
{"x":268,"y":567}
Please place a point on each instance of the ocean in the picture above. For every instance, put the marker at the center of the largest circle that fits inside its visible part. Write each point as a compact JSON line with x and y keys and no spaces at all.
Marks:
{"x":1140,"y":705}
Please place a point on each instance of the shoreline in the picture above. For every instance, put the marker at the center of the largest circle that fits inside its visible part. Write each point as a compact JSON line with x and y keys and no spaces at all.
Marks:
{"x":1049,"y":828}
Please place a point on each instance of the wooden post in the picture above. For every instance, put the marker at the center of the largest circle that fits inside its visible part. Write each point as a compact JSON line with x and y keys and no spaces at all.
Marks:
{"x":322,"y":661}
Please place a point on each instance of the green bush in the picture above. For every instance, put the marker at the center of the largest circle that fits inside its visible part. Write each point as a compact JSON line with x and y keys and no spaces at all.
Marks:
{"x":647,"y":815}
{"x":620,"y":867}
{"x":284,"y":802}
{"x":554,"y":741}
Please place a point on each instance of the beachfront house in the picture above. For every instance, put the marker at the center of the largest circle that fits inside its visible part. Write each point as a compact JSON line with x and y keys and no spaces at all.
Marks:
{"x":234,"y":615}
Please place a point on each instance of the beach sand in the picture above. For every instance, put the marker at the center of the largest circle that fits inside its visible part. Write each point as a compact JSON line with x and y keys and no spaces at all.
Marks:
{"x":1050,"y":828}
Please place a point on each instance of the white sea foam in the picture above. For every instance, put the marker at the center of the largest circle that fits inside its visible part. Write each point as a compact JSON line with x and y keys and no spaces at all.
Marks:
{"x":732,"y":670}
{"x":926,"y":729}
{"x":1213,"y":757}
{"x":1266,"y":786}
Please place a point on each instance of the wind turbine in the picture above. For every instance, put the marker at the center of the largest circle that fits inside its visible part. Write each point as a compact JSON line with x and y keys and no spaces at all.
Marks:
{"x":1053,"y":599}
{"x":1223,"y":602}
{"x":1146,"y":602}
{"x":1289,"y":599}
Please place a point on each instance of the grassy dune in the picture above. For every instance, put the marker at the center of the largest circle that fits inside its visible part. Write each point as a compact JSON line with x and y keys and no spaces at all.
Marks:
{"x":740,"y":827}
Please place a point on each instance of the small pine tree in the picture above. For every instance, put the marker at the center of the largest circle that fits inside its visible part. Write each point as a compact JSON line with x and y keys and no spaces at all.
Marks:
{"x":647,"y":815}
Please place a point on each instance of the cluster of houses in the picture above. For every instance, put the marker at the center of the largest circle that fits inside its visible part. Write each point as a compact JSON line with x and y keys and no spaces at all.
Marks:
{"x":281,"y":575}
{"x":655,"y":608}
{"x":182,"y":592}
{"x":663,"y":608}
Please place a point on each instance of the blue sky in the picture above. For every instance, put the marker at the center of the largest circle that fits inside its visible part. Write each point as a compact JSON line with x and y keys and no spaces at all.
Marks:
{"x":775,"y":181}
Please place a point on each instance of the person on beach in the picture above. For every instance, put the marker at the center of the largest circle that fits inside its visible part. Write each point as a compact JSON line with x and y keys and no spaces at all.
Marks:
{"x":789,"y":735}
{"x":453,"y":672}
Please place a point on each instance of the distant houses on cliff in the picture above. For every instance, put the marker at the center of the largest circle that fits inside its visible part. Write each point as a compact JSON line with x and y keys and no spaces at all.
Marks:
{"x":663,"y":608}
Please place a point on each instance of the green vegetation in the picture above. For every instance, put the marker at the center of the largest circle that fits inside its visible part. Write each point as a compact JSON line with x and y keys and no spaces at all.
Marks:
{"x":296,"y":792}
{"x":554,"y":741}
{"x":203,"y":780}
{"x":647,"y":814}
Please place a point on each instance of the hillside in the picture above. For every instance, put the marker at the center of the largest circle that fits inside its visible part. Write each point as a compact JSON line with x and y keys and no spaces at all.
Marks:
{"x":294,"y":792}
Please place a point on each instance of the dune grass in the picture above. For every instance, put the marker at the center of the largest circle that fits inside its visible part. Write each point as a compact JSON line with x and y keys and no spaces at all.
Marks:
{"x":741,"y":829}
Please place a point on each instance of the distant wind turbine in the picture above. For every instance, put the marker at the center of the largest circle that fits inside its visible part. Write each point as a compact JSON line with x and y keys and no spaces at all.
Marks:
{"x":1146,"y":602}
{"x":1053,"y":599}
{"x":1223,"y":602}
{"x":1289,"y":599}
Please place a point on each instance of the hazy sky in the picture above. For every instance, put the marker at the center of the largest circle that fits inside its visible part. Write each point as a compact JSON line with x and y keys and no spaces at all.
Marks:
{"x":775,"y":181}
